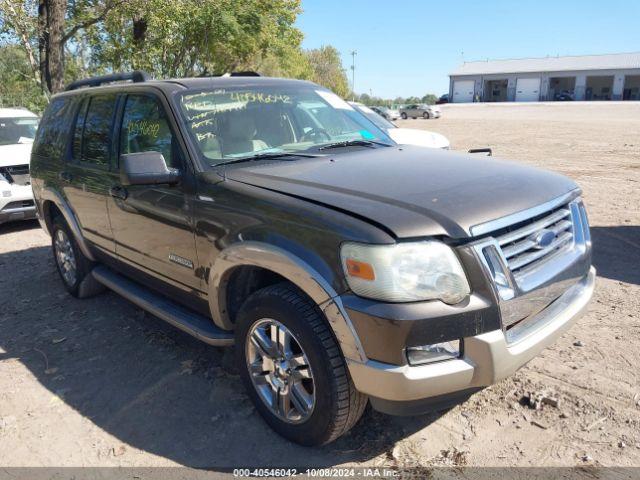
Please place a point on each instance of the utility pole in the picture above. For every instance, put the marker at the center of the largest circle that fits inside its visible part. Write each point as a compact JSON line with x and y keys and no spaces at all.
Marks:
{"x":353,"y":74}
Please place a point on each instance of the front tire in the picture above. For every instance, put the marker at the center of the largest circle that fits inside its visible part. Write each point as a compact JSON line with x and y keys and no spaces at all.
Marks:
{"x":403,"y":115}
{"x":293,"y":368}
{"x":426,"y":115}
{"x":71,"y":263}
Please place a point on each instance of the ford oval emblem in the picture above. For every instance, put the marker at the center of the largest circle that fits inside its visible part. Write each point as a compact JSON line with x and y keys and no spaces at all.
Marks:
{"x":543,"y":238}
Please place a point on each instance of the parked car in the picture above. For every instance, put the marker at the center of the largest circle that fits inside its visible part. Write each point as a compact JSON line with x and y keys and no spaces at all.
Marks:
{"x":17,"y":130}
{"x":420,"y":111}
{"x":443,"y":99}
{"x":387,"y":113}
{"x":403,"y":136}
{"x":346,"y":269}
{"x":564,"y":96}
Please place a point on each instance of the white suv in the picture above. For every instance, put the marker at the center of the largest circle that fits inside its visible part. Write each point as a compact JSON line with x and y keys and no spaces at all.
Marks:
{"x":17,"y":130}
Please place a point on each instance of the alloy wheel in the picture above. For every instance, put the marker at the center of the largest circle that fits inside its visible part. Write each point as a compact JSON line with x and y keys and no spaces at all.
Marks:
{"x":65,"y":257}
{"x":280,"y":371}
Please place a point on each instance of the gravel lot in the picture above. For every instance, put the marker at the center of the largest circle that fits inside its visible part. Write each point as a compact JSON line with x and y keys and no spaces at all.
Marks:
{"x":99,"y":383}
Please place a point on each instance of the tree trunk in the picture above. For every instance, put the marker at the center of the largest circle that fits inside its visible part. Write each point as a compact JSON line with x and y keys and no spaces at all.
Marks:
{"x":51,"y":21}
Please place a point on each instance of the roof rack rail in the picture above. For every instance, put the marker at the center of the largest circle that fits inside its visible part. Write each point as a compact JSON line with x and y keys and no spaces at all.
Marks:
{"x":247,"y":73}
{"x":136,"y":76}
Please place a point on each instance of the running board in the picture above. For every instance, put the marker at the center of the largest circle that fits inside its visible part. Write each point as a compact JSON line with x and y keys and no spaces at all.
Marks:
{"x":180,"y":317}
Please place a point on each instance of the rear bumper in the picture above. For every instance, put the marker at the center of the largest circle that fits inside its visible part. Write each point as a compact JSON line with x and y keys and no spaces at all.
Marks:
{"x":488,"y":357}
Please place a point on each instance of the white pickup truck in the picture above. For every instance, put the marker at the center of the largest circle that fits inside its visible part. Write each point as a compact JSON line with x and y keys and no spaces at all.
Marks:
{"x":17,"y":130}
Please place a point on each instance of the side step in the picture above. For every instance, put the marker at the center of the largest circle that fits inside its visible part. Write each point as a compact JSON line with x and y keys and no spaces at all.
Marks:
{"x":190,"y":322}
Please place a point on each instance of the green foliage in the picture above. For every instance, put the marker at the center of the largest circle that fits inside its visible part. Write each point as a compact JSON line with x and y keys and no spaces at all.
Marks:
{"x":326,"y":69}
{"x":198,"y":37}
{"x":366,"y":99}
{"x":17,"y":87}
{"x":167,"y":38}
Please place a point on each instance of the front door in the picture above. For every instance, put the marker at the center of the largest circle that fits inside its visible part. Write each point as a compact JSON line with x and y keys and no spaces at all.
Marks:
{"x":86,"y":176}
{"x":152,"y":224}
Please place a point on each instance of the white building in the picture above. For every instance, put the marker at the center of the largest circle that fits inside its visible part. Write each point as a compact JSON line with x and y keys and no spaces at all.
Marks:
{"x":586,"y":77}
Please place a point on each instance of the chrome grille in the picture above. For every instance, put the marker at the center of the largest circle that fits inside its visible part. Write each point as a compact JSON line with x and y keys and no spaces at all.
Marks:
{"x":535,"y":256}
{"x":522,"y":248}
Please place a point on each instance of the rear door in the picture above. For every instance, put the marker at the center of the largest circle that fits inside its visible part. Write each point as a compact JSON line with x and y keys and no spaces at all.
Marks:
{"x":152,"y":224}
{"x":86,"y":176}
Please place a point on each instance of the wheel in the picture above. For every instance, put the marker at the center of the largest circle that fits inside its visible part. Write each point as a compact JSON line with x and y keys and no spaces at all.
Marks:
{"x":426,"y":115}
{"x":72,"y":265}
{"x":403,"y":115}
{"x":293,"y":368}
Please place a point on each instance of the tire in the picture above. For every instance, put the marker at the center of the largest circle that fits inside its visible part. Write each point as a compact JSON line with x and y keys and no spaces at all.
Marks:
{"x":61,"y":236}
{"x":336,"y":404}
{"x":403,"y":115}
{"x":426,"y":115}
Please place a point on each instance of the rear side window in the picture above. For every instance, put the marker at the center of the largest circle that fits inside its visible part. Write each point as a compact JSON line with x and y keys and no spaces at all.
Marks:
{"x":145,"y":128}
{"x":96,"y":130}
{"x":52,"y":132}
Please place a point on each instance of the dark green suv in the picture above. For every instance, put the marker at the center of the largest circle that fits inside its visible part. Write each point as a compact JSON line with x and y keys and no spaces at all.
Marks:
{"x":270,"y":214}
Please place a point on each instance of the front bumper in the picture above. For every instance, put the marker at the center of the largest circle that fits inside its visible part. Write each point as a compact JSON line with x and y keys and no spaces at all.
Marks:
{"x":16,"y":202}
{"x":487,"y":358}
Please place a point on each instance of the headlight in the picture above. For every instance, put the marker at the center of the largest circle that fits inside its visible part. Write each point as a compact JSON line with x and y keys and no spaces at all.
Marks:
{"x":405,"y":272}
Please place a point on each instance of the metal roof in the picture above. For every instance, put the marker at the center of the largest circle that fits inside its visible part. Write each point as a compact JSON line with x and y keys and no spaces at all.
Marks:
{"x":550,"y":64}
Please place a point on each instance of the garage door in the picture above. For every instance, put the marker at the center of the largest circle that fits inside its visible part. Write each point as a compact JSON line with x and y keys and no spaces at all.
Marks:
{"x":463,"y":91}
{"x":528,"y":90}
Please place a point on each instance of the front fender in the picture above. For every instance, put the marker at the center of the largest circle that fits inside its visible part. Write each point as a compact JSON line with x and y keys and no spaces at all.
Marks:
{"x":294,"y":269}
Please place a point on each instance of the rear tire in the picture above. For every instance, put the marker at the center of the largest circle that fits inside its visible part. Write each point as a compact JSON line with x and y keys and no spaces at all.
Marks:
{"x":332,"y":404}
{"x":71,"y":263}
{"x":403,"y":115}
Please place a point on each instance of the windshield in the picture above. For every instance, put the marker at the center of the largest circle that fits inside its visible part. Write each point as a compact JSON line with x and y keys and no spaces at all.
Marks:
{"x":379,"y":120}
{"x":17,"y":130}
{"x":228,"y":123}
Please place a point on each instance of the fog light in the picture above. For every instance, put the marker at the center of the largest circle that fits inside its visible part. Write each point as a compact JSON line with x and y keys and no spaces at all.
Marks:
{"x":6,"y":193}
{"x":433,"y":353}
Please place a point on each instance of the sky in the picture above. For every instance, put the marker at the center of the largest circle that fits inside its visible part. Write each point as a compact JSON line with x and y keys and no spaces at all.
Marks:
{"x":408,"y":47}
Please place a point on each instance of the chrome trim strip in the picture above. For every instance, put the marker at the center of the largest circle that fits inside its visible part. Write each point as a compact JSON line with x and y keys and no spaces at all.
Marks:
{"x":526,"y":259}
{"x":533,"y":227}
{"x":517,"y":217}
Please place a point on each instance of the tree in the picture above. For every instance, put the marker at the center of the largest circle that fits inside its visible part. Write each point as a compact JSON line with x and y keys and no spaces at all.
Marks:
{"x":429,"y":99}
{"x":50,"y":24}
{"x":326,"y":66}
{"x":17,"y":82}
{"x":199,"y":37}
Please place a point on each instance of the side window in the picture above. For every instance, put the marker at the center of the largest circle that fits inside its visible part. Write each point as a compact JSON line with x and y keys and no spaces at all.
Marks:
{"x":77,"y":132}
{"x":145,"y":128}
{"x":51,"y":135}
{"x":96,"y":136}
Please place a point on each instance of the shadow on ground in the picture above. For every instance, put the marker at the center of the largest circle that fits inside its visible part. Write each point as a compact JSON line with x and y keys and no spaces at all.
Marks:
{"x":616,"y":252}
{"x":149,"y":385}
{"x":19,"y":226}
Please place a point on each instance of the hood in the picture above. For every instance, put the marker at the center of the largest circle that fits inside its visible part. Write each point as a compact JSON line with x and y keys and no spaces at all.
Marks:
{"x":17,"y":154}
{"x":411,"y":191}
{"x":420,"y":138}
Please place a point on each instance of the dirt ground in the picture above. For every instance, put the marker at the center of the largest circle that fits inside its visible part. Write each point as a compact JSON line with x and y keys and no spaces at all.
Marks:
{"x":100,"y":383}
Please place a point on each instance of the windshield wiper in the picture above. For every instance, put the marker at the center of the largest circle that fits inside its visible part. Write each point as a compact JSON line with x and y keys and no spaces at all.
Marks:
{"x":354,"y":143}
{"x":262,"y":156}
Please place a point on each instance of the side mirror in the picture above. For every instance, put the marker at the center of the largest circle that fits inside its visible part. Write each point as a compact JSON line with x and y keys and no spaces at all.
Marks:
{"x":485,"y":151}
{"x":146,"y":168}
